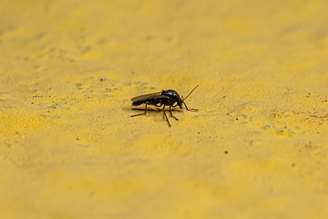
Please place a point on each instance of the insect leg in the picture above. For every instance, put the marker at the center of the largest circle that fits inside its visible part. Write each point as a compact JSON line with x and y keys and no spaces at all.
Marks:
{"x":164,"y":114}
{"x":171,"y":114}
{"x":188,"y":108}
{"x":159,"y":105}
{"x":140,"y":114}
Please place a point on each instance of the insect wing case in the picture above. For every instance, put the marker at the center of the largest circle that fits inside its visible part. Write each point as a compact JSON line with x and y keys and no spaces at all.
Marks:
{"x":146,"y":98}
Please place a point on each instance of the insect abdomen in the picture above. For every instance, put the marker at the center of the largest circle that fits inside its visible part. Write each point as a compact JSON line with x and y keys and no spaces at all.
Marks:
{"x":138,"y":102}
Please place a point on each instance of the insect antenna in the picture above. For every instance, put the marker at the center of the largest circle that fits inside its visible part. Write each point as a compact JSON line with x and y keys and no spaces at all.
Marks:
{"x":184,"y":98}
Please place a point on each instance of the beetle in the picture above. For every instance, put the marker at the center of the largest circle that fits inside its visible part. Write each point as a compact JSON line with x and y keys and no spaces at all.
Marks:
{"x":170,"y":98}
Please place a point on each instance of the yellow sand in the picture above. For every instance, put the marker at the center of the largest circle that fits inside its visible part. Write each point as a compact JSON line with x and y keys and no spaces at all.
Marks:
{"x":257,"y":149}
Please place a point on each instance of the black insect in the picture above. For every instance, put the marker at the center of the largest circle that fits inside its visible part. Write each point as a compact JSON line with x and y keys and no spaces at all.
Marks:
{"x":169,"y":98}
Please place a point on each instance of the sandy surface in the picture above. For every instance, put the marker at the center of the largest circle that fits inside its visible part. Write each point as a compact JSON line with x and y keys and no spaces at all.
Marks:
{"x":257,"y":148}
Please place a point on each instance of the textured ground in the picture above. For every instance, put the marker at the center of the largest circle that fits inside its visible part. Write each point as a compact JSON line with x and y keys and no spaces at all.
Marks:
{"x":257,"y":148}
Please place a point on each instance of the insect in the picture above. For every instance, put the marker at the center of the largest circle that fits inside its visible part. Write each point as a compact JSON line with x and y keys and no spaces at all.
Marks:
{"x":169,"y":98}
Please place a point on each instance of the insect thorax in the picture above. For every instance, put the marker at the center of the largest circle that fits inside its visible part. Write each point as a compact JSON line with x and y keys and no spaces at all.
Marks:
{"x":173,"y":95}
{"x":170,"y":93}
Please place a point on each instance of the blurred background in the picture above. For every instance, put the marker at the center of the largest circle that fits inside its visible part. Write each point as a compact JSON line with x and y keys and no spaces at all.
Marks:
{"x":257,"y":148}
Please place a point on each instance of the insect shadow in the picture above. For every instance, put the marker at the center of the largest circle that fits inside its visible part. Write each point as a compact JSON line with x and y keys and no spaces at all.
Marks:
{"x":165,"y":98}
